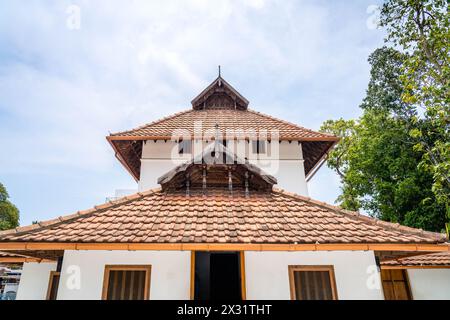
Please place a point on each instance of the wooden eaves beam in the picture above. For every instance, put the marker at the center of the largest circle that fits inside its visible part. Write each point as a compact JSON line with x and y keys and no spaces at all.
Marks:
{"x":223,"y":246}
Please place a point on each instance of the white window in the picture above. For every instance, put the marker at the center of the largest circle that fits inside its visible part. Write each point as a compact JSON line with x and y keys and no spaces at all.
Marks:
{"x":184,"y":147}
{"x":258,"y":147}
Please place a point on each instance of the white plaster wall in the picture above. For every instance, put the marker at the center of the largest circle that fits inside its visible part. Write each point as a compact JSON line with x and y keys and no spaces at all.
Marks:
{"x":291,"y":177}
{"x":267,"y":274}
{"x":430,"y":284}
{"x":34,"y":281}
{"x":168,"y":150}
{"x":170,"y":275}
{"x":284,"y":162}
{"x":151,"y":170}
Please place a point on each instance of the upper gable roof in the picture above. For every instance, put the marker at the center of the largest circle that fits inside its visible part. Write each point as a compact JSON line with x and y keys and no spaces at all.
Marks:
{"x":275,"y":217}
{"x":220,"y":94}
{"x":219,"y":104}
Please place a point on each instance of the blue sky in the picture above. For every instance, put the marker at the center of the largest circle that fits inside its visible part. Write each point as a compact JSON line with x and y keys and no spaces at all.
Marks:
{"x":62,"y":90}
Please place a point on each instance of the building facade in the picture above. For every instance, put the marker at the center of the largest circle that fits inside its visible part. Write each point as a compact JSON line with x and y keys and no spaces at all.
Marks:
{"x":222,"y":212}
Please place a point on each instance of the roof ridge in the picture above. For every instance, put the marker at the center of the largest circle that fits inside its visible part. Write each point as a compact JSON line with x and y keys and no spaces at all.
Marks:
{"x":176,"y":114}
{"x":81,"y":213}
{"x":357,"y":215}
{"x":290,"y":123}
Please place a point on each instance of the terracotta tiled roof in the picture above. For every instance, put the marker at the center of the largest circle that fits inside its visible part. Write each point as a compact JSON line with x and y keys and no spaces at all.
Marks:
{"x":4,"y":254}
{"x":128,"y":145}
{"x":263,"y":217}
{"x":226,"y":119}
{"x":16,"y":257}
{"x":432,"y":259}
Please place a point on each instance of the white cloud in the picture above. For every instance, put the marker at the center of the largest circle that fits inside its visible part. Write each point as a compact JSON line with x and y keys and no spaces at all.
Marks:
{"x":257,"y":4}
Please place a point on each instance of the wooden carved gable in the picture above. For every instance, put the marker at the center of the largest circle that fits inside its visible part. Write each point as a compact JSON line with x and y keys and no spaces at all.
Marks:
{"x":220,"y":95}
{"x":217,"y":167}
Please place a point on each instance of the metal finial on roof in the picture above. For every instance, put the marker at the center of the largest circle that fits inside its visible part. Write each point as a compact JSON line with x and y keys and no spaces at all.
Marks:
{"x":219,"y":71}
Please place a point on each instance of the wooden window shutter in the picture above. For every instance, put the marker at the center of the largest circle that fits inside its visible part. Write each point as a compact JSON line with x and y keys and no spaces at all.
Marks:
{"x":126,"y":283}
{"x":395,"y":284}
{"x":312,"y":283}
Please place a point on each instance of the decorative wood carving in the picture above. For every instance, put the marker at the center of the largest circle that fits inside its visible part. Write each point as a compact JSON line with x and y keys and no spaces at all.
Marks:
{"x":204,"y":172}
{"x":220,"y":95}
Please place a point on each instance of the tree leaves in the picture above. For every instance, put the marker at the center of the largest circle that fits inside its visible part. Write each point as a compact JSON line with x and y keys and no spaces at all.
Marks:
{"x":395,"y":159}
{"x":421,"y":29}
{"x":9,"y":214}
{"x":378,"y":159}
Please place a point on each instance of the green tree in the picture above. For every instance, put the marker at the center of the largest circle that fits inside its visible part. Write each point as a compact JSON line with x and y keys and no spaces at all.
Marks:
{"x":340,"y":159}
{"x":9,"y":214}
{"x":376,"y":158}
{"x":421,"y":29}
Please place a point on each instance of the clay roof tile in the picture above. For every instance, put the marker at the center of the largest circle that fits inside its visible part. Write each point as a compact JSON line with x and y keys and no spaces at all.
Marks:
{"x":263,"y":217}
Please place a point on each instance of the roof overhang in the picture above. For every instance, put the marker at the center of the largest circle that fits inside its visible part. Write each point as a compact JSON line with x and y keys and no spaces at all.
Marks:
{"x":50,"y":252}
{"x":20,"y":257}
{"x":45,"y":252}
{"x":386,"y":247}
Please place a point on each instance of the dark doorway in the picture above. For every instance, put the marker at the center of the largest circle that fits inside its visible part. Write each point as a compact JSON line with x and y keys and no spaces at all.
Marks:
{"x":217,"y":276}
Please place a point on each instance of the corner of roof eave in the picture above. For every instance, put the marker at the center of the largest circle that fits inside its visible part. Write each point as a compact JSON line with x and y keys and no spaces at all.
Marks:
{"x":119,"y":157}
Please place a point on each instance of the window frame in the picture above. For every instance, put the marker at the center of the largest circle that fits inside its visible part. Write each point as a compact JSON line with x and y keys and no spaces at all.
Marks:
{"x":52,"y":275}
{"x":109,"y":268}
{"x":328,"y":268}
